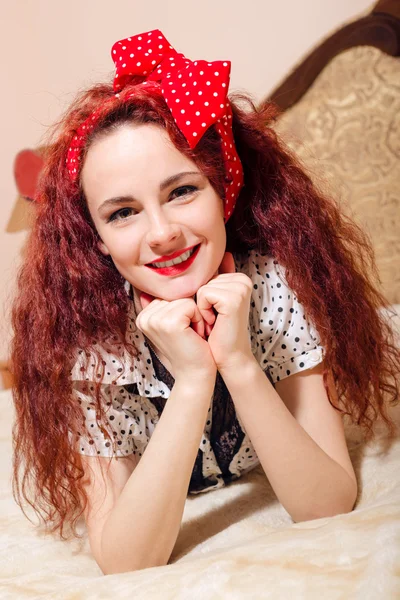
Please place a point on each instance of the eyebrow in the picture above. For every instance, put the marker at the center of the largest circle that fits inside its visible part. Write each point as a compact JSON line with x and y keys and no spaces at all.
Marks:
{"x":163,"y":185}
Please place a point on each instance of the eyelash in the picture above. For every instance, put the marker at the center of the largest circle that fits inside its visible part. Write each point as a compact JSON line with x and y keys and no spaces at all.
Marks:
{"x":191,"y":189}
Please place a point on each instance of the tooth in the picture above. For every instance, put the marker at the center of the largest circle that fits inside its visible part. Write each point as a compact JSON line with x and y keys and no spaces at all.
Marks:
{"x":175,"y":261}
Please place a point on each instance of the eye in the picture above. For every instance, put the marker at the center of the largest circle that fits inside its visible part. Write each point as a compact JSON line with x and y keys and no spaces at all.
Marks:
{"x":115,"y":216}
{"x":184,"y":190}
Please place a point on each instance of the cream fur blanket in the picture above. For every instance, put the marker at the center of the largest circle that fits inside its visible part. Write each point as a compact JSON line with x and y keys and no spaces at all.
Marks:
{"x":237,"y":542}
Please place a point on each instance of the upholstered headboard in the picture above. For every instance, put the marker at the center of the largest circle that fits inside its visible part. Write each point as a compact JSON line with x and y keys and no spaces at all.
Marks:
{"x":342,"y":118}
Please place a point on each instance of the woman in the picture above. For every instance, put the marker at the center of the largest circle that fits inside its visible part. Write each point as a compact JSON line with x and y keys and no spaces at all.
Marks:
{"x":138,"y":379}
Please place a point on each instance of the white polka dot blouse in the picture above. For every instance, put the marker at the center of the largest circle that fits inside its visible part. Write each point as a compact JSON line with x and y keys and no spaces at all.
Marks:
{"x":283,"y":341}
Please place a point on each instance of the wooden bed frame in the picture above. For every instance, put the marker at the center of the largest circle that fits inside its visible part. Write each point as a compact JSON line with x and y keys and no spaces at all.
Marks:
{"x":380,"y":28}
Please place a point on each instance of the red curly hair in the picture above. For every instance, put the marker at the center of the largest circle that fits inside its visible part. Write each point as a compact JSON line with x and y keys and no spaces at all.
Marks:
{"x":69,"y":295}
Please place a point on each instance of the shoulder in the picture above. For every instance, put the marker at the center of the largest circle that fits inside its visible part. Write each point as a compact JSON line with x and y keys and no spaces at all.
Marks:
{"x":284,"y":339}
{"x":113,"y":364}
{"x":108,"y":360}
{"x":268,"y":277}
{"x":128,"y":418}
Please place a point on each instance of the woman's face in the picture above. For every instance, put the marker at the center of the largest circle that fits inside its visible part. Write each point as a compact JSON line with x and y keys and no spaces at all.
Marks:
{"x":141,"y":214}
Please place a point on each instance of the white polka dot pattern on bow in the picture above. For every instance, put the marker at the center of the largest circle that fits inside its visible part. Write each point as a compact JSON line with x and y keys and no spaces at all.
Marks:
{"x":195,"y":92}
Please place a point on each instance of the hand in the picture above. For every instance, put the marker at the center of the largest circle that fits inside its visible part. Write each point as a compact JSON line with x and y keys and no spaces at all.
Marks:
{"x":229,"y":294}
{"x":168,"y":327}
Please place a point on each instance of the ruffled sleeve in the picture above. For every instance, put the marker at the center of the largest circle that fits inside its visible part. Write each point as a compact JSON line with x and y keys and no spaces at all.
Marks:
{"x":131,"y":419}
{"x":284,"y":339}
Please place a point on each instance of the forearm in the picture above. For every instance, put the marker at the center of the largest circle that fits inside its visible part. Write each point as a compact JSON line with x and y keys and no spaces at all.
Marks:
{"x":308,"y":482}
{"x":142,"y":528}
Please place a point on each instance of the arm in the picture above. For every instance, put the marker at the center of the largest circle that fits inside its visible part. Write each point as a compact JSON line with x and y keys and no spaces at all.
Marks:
{"x":300,"y":441}
{"x":145,"y":511}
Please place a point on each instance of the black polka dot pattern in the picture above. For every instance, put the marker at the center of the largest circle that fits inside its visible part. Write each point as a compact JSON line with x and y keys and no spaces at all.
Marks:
{"x":283,"y":340}
{"x":132,"y":419}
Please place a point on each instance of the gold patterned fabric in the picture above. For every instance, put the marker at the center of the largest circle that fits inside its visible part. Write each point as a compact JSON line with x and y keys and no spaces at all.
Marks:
{"x":346,"y":130}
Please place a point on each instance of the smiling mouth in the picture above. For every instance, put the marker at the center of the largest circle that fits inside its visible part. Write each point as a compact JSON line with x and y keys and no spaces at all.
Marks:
{"x":176,"y":261}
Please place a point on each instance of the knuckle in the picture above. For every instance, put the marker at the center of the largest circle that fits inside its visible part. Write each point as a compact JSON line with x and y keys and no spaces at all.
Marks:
{"x":170,"y":326}
{"x":189,"y":301}
{"x":247,"y":289}
{"x":247,"y":280}
{"x":200,"y":291}
{"x":236,"y":304}
{"x":152,"y":321}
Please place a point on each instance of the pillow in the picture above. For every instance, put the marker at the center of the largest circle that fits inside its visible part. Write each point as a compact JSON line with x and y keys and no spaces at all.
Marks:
{"x":346,"y":131}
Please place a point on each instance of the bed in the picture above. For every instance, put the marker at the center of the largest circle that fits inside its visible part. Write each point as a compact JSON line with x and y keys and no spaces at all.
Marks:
{"x":239,"y":542}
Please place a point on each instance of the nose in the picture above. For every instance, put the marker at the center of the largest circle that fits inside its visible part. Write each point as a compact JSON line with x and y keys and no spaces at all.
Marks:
{"x":162,"y":234}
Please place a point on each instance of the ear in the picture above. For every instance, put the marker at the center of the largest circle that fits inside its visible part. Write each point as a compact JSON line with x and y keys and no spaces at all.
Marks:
{"x":103,"y":248}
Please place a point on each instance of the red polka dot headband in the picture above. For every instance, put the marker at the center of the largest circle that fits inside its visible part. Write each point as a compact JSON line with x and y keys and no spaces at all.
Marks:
{"x":195,"y":92}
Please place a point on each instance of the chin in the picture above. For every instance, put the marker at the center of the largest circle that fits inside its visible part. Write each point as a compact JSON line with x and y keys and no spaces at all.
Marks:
{"x":183,"y":289}
{"x":178,"y":295}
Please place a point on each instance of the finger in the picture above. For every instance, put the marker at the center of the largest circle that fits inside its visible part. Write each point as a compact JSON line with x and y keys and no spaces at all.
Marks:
{"x":208,"y":329}
{"x":197,"y":322}
{"x":150,"y":308}
{"x":198,"y":327}
{"x":145,"y":299}
{"x":207,"y":314}
{"x":217,"y":298}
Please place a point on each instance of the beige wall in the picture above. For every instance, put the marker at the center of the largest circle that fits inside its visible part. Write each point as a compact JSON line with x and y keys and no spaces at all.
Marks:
{"x":50,"y":48}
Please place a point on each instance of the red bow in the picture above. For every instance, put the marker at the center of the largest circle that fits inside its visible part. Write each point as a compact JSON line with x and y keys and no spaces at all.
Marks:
{"x":195,"y":92}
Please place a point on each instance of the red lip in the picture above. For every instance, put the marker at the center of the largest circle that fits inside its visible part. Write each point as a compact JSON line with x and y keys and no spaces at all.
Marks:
{"x":171,"y":256}
{"x":177,"y":269}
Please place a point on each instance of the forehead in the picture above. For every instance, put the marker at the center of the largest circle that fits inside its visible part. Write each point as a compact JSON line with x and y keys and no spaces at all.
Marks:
{"x":132,"y":146}
{"x":131,"y":155}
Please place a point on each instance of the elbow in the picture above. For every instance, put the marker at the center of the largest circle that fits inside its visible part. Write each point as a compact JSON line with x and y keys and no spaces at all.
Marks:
{"x":120,"y":559}
{"x":341,"y":505}
{"x":323,"y":514}
{"x":113,"y":568}
{"x":349,"y":499}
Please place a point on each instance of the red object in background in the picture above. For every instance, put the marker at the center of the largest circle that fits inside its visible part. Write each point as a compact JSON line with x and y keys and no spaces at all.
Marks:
{"x":28,"y":165}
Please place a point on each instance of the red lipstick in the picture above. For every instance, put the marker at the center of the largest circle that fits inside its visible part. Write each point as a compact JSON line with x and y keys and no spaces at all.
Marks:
{"x":176,"y":269}
{"x":171,"y":256}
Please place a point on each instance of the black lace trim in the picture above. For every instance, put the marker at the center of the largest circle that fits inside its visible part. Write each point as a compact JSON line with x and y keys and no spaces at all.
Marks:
{"x":226,"y":435}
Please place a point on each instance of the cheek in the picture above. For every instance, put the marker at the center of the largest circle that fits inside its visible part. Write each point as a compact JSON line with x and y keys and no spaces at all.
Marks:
{"x":121,"y":247}
{"x":211,"y":216}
